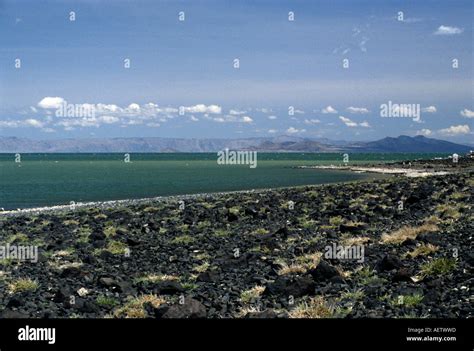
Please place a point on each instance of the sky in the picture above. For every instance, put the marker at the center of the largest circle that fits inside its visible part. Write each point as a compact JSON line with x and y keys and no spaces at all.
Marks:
{"x":236,"y":69}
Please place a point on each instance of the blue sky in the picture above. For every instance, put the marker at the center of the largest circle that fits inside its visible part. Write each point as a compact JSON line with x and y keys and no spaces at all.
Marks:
{"x":190,"y":64}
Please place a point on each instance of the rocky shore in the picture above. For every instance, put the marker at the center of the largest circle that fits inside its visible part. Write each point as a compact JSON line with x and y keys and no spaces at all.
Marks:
{"x":389,"y":248}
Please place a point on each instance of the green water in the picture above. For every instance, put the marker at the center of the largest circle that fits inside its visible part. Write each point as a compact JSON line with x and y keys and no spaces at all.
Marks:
{"x":53,"y":179}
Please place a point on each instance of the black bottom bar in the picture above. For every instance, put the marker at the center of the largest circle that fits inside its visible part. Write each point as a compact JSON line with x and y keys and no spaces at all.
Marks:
{"x":405,"y":334}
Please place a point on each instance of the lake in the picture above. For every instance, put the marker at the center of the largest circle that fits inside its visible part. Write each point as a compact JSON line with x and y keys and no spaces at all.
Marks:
{"x":55,"y":179}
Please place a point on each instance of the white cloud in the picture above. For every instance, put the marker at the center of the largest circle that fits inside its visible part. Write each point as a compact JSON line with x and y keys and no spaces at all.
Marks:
{"x":133,"y":107}
{"x":153,"y":125}
{"x":448,"y":30}
{"x":107,"y":108}
{"x":362,"y":43}
{"x":348,"y":122}
{"x":194,"y":119}
{"x":9,"y":124}
{"x":264,"y":110}
{"x":429,"y":109}
{"x":133,"y":122}
{"x":108,"y":119}
{"x":312,"y":121}
{"x":412,"y":20}
{"x":329,"y":109}
{"x":51,"y":102}
{"x":456,"y":130}
{"x":237,"y":112}
{"x":70,"y":123}
{"x":201,"y":108}
{"x":272,"y":117}
{"x":246,"y":119}
{"x":33,"y":123}
{"x":272,"y":131}
{"x":361,"y":110}
{"x":467,"y":113}
{"x":425,"y":132}
{"x":293,"y":130}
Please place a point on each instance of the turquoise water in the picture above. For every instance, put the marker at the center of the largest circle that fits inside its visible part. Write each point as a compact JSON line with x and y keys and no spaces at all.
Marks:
{"x":53,"y":179}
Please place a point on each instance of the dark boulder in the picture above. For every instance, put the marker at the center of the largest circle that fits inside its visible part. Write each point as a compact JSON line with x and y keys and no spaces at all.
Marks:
{"x":402,"y":275}
{"x":291,"y":286}
{"x":323,"y":271}
{"x":208,"y":277}
{"x":191,"y":308}
{"x":387,"y":263}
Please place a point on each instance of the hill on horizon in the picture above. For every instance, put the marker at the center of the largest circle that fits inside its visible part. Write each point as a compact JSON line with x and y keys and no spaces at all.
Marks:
{"x":284,"y":143}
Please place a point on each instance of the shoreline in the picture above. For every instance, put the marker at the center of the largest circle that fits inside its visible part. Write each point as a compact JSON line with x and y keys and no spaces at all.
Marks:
{"x":419,"y":169}
{"x":110,"y":204}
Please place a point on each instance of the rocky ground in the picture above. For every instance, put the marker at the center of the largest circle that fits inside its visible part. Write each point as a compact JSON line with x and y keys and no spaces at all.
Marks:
{"x":253,"y":254}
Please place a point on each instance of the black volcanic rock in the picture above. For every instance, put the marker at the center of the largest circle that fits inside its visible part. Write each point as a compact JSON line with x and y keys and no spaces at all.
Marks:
{"x":323,"y":272}
{"x":387,"y":263}
{"x":291,"y":286}
{"x":191,"y":308}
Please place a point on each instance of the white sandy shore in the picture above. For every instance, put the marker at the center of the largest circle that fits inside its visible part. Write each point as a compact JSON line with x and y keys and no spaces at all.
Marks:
{"x":413,"y":173}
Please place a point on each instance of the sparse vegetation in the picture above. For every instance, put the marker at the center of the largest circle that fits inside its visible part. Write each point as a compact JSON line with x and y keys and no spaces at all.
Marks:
{"x":183,"y":239}
{"x":353,"y":295}
{"x":367,"y":276}
{"x":116,"y":247}
{"x":352,"y":241}
{"x":438,"y":266}
{"x":260,"y":231}
{"x":134,"y":308}
{"x":336,"y":221}
{"x":22,"y":285}
{"x":70,"y":222}
{"x":407,"y":232}
{"x":17,"y":238}
{"x":106,"y":301}
{"x":221,"y":233}
{"x":300,"y":265}
{"x":251,"y":295}
{"x":203,"y":224}
{"x":315,"y":307}
{"x":202,"y":267}
{"x":422,"y":250}
{"x":155,"y":278}
{"x":406,"y":300}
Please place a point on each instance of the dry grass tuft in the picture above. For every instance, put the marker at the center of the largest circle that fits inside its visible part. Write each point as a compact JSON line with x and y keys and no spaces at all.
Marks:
{"x":250,"y":295}
{"x":407,"y":232}
{"x":301,"y":265}
{"x":134,"y":308}
{"x":316,"y":307}
{"x":353,"y":241}
{"x":422,"y":250}
{"x":22,"y":285}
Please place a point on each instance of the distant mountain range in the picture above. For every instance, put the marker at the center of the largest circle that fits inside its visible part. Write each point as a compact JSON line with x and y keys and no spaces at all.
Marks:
{"x":402,"y":143}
